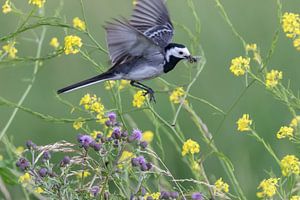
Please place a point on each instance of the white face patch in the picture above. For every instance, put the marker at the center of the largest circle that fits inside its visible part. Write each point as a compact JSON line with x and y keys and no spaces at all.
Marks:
{"x":178,"y":53}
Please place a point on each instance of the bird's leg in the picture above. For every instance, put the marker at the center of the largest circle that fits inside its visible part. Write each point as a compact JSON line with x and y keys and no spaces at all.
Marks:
{"x":147,"y":89}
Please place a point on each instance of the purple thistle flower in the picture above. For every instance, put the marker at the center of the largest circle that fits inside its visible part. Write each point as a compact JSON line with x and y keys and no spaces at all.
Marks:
{"x":149,"y":166}
{"x":141,"y":160}
{"x":30,"y":145}
{"x":135,"y":162}
{"x":174,"y":195}
{"x":97,"y":146}
{"x":143,"y":144}
{"x":23,"y":164}
{"x":164,"y":195}
{"x":135,"y":136}
{"x":95,"y":191}
{"x":143,"y":191}
{"x":85,"y":141}
{"x":116,"y":143}
{"x":116,"y":134}
{"x":144,"y":167}
{"x":197,"y":196}
{"x":149,"y":198}
{"x":65,"y":161}
{"x":112,"y":116}
{"x":124,"y":134}
{"x":46,"y":155}
{"x":43,"y":172}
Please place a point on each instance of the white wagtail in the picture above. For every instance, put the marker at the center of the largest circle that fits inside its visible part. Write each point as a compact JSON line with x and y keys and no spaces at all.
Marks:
{"x":140,"y":48}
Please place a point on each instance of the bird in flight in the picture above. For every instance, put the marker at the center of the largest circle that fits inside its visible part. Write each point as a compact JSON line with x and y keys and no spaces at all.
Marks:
{"x":140,"y":48}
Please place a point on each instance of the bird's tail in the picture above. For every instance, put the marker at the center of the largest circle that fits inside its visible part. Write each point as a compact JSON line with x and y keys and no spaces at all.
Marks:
{"x":97,"y":79}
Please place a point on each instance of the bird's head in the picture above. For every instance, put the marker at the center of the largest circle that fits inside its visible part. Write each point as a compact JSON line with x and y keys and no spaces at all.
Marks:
{"x":178,"y":51}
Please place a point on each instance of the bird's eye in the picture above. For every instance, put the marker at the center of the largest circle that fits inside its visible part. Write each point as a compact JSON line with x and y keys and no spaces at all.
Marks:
{"x":180,"y":52}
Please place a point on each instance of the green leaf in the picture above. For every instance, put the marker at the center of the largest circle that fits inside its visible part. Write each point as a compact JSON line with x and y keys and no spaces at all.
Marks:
{"x":7,"y":176}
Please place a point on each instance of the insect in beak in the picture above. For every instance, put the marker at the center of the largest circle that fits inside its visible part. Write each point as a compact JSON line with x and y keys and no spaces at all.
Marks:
{"x":191,"y":59}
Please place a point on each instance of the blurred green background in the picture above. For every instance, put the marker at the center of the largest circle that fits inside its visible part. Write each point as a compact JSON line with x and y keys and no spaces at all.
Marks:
{"x":255,"y":20}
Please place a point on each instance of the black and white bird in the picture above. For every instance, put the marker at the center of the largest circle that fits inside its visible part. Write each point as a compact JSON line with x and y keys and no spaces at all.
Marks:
{"x":140,"y":48}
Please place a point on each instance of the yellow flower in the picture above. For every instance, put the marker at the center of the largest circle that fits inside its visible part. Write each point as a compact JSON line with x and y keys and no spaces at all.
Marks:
{"x":148,"y":136}
{"x":177,"y":95}
{"x":78,"y":23}
{"x":273,"y":78}
{"x":78,"y":124}
{"x":109,"y":84}
{"x":295,"y":122}
{"x":38,"y":3}
{"x":155,"y":196}
{"x":85,"y":101}
{"x":1,"y":157}
{"x":19,"y":150}
{"x":72,"y":44}
{"x":10,"y":49}
{"x":190,"y":146}
{"x":295,"y":198}
{"x":196,"y":166}
{"x":134,"y":2}
{"x":291,"y":24}
{"x":296,"y":43}
{"x":284,"y":132}
{"x":125,"y":157}
{"x":54,"y":42}
{"x":94,"y":134}
{"x":244,"y":123}
{"x":290,"y":165}
{"x":82,"y":174}
{"x":26,"y":178}
{"x":251,"y":47}
{"x":138,"y":99}
{"x":123,"y":84}
{"x":268,"y":187}
{"x":240,"y":65}
{"x":39,"y":190}
{"x":6,"y":8}
{"x":221,"y":186}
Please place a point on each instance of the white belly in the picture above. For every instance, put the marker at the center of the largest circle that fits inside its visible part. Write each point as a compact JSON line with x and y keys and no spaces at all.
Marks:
{"x":143,"y":73}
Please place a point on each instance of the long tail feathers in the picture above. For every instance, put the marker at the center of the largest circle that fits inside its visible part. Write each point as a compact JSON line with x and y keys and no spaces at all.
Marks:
{"x":85,"y":83}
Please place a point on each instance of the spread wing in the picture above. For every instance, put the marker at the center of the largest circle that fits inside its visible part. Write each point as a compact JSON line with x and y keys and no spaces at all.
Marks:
{"x":151,"y":17}
{"x":125,"y":41}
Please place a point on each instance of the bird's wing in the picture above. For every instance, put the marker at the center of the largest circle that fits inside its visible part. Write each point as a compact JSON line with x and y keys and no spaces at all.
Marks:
{"x":151,"y":17}
{"x":125,"y":42}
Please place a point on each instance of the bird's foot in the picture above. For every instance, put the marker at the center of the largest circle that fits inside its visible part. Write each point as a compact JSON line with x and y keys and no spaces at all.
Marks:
{"x":151,"y":95}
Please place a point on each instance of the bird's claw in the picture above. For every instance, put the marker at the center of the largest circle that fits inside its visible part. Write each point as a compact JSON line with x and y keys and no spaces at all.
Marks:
{"x":151,"y":95}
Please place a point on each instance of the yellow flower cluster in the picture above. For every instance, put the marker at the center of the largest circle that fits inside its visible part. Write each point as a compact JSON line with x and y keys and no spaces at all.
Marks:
{"x":221,"y":186}
{"x":295,"y":198}
{"x":54,"y":42}
{"x":6,"y":8}
{"x":78,"y":124}
{"x":110,"y":84}
{"x":251,"y":47}
{"x":244,"y":123}
{"x":79,"y":24}
{"x":177,"y":95}
{"x":10,"y":49}
{"x":82,"y":174}
{"x":272,"y":78}
{"x":38,"y":3}
{"x":291,"y":26}
{"x":134,"y":2}
{"x":155,"y":196}
{"x":72,"y":44}
{"x":94,"y":104}
{"x":295,"y":122}
{"x":19,"y":150}
{"x":290,"y":165}
{"x":24,"y":179}
{"x":39,"y":190}
{"x":190,"y":146}
{"x":125,"y":158}
{"x":148,"y":136}
{"x":138,"y":99}
{"x":284,"y":132}
{"x":268,"y":187}
{"x":240,"y":65}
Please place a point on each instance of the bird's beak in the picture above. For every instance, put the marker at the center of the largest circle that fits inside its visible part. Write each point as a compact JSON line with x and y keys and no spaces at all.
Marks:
{"x":191,"y":59}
